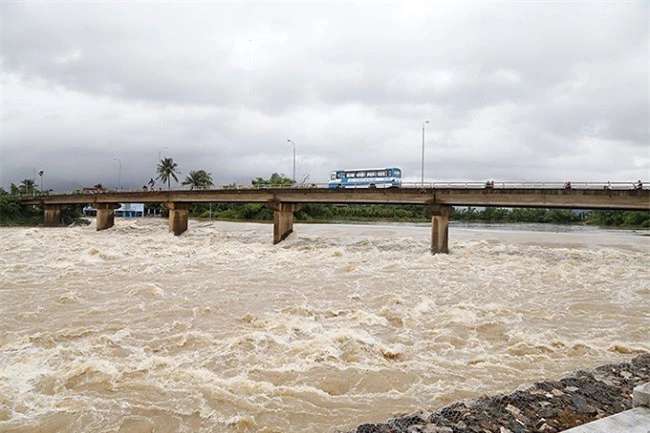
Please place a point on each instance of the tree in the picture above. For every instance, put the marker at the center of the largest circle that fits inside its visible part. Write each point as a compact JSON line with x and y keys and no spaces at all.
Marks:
{"x":167,"y":169}
{"x":199,"y":179}
{"x":10,"y":207}
{"x":27,"y":187}
{"x":275,"y":180}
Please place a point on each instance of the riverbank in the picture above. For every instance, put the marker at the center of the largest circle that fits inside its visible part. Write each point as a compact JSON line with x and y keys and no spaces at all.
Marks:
{"x":544,"y":407}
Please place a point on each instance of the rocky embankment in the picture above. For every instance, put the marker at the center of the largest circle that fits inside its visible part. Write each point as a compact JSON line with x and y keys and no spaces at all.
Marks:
{"x":544,"y":407}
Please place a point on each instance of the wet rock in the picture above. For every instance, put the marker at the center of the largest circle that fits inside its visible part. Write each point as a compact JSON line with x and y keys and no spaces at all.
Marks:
{"x":544,"y":407}
{"x":373,"y":428}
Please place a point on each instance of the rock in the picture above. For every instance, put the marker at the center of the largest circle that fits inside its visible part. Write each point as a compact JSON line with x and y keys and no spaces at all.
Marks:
{"x":434,"y":429}
{"x":79,"y":222}
{"x":581,"y":405}
{"x":513,"y":410}
{"x":487,"y":426}
{"x":373,"y":428}
{"x":546,"y":407}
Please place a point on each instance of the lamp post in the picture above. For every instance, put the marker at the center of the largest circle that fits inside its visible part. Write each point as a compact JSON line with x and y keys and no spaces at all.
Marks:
{"x":34,"y":183}
{"x":293,"y":179}
{"x":119,"y":172}
{"x":425,"y":122}
{"x":40,"y":173}
{"x":160,"y":153}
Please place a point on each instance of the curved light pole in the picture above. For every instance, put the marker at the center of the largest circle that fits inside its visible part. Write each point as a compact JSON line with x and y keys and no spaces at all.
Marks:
{"x":425,"y":122}
{"x":293,"y":179}
{"x":119,"y":173}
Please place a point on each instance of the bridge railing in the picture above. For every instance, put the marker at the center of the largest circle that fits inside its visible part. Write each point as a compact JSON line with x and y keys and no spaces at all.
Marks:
{"x":524,"y":185}
{"x":420,"y":185}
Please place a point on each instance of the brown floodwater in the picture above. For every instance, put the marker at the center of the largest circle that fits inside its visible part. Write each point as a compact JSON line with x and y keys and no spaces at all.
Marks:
{"x":135,"y":330}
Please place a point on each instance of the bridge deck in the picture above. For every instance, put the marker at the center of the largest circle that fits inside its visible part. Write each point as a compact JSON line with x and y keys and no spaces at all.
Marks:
{"x":454,"y":196}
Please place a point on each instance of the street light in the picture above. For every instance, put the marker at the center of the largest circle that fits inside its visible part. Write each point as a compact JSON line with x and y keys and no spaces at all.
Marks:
{"x":40,"y":173}
{"x":159,"y":153}
{"x":119,"y":173}
{"x":425,"y":122}
{"x":293,"y":179}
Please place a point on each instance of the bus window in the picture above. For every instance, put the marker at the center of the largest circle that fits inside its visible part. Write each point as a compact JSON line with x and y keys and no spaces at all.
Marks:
{"x":333,"y":176}
{"x":349,"y":174}
{"x":340,"y":174}
{"x":397,"y":172}
{"x":371,"y":174}
{"x":382,"y":173}
{"x":361,"y":174}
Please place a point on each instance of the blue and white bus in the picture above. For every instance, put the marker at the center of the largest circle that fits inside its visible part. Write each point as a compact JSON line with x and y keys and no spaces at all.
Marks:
{"x":366,"y":178}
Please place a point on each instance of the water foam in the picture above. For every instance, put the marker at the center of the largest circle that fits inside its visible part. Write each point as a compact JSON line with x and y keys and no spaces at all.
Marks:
{"x":336,"y":326}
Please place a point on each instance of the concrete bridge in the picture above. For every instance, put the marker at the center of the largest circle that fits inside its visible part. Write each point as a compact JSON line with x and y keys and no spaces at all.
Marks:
{"x":439,"y":200}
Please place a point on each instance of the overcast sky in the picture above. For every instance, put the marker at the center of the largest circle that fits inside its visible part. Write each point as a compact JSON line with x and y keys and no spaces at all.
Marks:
{"x":514,"y":91}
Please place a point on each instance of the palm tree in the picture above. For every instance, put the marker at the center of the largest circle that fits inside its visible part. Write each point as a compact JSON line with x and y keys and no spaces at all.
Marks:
{"x":167,"y":169}
{"x":199,"y":179}
{"x":27,"y":186}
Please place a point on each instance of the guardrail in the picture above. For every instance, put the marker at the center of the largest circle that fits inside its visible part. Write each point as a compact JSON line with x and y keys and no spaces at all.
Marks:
{"x":421,"y":185}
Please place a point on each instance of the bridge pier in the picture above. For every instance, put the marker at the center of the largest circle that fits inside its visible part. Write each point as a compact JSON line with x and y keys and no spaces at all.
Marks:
{"x":105,"y":215}
{"x":178,"y":215}
{"x":282,"y":219}
{"x":440,"y":227}
{"x":52,"y":215}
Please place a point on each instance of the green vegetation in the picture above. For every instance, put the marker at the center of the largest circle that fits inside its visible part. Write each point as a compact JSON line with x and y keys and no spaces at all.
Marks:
{"x":275,"y":180}
{"x":198,"y":179}
{"x":11,"y":211}
{"x":626,"y":219}
{"x":519,"y":215}
{"x":417,"y":213}
{"x":14,"y":213}
{"x":167,"y":169}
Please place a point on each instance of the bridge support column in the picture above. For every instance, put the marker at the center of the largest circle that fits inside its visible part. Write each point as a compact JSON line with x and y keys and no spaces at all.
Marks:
{"x":282,"y":219}
{"x":440,"y":227}
{"x":105,"y":215}
{"x":52,"y":215}
{"x":178,"y":215}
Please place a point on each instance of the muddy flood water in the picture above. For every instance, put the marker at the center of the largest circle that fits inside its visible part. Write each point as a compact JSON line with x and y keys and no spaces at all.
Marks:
{"x":135,"y":330}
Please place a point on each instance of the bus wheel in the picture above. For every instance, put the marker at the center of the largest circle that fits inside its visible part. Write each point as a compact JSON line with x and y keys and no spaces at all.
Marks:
{"x":372,"y":185}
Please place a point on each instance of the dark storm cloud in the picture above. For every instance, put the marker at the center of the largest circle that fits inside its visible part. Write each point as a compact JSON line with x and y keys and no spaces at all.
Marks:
{"x":513,"y":91}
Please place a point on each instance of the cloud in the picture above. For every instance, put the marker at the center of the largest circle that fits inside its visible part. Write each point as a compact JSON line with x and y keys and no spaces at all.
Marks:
{"x":515,"y":91}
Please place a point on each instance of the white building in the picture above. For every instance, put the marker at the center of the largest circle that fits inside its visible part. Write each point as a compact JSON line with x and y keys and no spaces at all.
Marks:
{"x":129,"y":210}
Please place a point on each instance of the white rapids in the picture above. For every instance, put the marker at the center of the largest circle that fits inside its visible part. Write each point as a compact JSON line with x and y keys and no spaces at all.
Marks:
{"x":135,"y":330}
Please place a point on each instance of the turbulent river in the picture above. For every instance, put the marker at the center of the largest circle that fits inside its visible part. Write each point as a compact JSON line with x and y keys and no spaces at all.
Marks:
{"x":135,"y":330}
